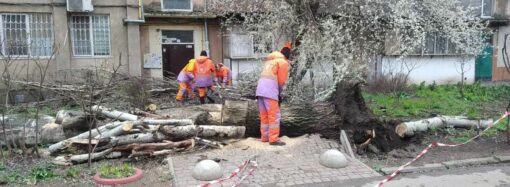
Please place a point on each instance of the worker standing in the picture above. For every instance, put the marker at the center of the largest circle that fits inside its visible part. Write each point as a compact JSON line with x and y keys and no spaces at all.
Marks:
{"x":185,"y":79}
{"x":204,"y":72}
{"x":223,"y":75}
{"x":270,"y":86}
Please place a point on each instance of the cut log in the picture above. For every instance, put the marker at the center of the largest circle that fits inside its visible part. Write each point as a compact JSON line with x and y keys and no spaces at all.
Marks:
{"x":20,"y":129}
{"x":72,"y":120}
{"x":151,"y":147}
{"x":178,"y":122}
{"x":122,"y":128}
{"x":114,"y":114}
{"x":177,"y":133}
{"x":78,"y":159}
{"x":64,"y":143}
{"x":408,"y":129}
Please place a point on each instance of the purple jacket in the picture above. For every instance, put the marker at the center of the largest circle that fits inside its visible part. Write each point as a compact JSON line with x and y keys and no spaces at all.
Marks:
{"x":273,"y":76}
{"x":185,"y":77}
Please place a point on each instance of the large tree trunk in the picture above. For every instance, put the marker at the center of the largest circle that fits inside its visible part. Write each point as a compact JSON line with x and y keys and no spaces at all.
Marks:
{"x":23,"y":131}
{"x":346,"y":110}
{"x":204,"y":131}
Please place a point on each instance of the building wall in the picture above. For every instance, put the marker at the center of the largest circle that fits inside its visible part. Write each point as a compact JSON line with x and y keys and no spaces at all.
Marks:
{"x":499,"y":72}
{"x":155,"y":45}
{"x":441,"y":69}
{"x":124,"y":38}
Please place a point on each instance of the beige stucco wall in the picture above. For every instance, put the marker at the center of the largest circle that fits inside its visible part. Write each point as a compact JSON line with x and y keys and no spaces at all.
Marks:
{"x":155,"y":45}
{"x":124,"y":38}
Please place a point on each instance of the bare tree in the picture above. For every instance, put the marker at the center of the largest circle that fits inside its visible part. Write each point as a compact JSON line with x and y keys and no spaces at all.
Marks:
{"x":42,"y":65}
{"x":9,"y":57}
{"x":94,"y":87}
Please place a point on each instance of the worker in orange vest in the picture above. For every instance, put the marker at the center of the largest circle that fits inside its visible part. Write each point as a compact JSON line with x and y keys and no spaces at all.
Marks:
{"x":204,"y":72}
{"x":269,"y":88}
{"x":185,"y":79}
{"x":223,"y":75}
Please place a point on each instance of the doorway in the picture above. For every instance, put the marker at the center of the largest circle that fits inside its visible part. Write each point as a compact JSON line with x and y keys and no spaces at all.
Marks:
{"x":177,"y":49}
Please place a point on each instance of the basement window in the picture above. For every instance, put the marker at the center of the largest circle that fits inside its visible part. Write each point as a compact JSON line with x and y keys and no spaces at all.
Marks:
{"x":177,"y":5}
{"x":90,"y":35}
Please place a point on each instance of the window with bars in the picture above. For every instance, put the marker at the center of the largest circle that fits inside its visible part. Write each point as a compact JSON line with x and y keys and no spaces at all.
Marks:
{"x":90,"y":35}
{"x":177,"y":5}
{"x":26,"y":35}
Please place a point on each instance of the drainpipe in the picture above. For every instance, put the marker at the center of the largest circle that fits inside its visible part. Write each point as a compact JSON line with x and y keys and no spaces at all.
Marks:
{"x":141,"y":16}
{"x":206,"y":30}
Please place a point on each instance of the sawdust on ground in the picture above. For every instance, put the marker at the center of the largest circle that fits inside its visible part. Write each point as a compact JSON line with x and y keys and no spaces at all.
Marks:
{"x":255,"y":143}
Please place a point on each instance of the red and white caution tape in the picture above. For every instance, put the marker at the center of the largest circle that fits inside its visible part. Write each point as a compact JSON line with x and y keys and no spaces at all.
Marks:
{"x":235,"y":173}
{"x":250,"y":172}
{"x":436,"y":144}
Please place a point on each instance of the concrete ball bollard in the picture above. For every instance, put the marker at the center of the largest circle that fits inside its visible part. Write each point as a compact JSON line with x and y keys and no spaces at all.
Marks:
{"x":333,"y":159}
{"x":207,"y":170}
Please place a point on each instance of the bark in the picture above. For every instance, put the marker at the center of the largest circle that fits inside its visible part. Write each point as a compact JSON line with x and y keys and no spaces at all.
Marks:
{"x":78,"y":159}
{"x":122,"y":128}
{"x":117,"y":115}
{"x":64,"y":143}
{"x":151,"y":147}
{"x":72,"y":120}
{"x":22,"y":131}
{"x":408,"y":129}
{"x":204,"y":131}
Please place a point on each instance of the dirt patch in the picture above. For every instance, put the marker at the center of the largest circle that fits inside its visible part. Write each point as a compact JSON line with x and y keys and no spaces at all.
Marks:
{"x":482,"y":147}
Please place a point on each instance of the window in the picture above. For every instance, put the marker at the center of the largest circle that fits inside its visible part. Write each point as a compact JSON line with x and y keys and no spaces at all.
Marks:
{"x":177,"y":5}
{"x":486,"y":9}
{"x":26,"y":35}
{"x":174,"y":36}
{"x":436,"y":45}
{"x":90,"y":35}
{"x":241,"y":46}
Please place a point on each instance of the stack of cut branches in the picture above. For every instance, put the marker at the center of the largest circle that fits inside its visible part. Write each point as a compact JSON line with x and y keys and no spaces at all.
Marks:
{"x":145,"y":135}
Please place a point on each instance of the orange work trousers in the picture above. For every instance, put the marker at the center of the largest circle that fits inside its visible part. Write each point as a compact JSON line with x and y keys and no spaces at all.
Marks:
{"x":184,"y":91}
{"x":269,"y":119}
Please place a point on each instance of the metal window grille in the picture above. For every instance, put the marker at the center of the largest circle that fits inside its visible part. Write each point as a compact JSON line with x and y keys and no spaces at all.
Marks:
{"x":90,"y":35}
{"x":41,"y":34}
{"x":14,"y":35}
{"x":26,"y":35}
{"x":101,"y":35}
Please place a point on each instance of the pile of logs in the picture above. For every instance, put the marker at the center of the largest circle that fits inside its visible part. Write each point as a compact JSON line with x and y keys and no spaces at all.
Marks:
{"x":137,"y":135}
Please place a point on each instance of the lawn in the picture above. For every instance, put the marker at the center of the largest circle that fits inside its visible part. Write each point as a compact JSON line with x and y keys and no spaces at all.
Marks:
{"x":419,"y":101}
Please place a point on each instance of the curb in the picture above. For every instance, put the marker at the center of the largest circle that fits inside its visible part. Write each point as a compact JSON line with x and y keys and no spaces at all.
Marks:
{"x":170,"y":164}
{"x":103,"y":181}
{"x":449,"y":164}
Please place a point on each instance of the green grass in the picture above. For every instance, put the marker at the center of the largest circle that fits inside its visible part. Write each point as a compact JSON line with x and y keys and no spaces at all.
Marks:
{"x":20,"y":178}
{"x":112,"y":172}
{"x":72,"y":173}
{"x":423,"y":101}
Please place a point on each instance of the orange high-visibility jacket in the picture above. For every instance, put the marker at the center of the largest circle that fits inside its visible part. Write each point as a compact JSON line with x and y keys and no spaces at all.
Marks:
{"x":273,"y":76}
{"x":204,"y":72}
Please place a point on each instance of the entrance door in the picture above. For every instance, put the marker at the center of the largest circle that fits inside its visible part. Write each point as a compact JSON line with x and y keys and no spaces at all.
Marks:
{"x":175,"y":57}
{"x":177,"y":49}
{"x":483,"y":65}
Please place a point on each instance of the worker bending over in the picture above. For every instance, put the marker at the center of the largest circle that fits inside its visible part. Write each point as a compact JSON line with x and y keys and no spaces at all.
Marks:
{"x":185,"y":79}
{"x":204,"y":72}
{"x":223,"y":75}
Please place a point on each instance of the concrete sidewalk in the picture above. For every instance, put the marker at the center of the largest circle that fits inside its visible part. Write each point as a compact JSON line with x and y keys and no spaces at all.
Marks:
{"x":297,"y":163}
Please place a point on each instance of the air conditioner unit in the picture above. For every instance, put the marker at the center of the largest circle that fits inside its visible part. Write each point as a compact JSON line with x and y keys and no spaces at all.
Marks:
{"x":80,"y":6}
